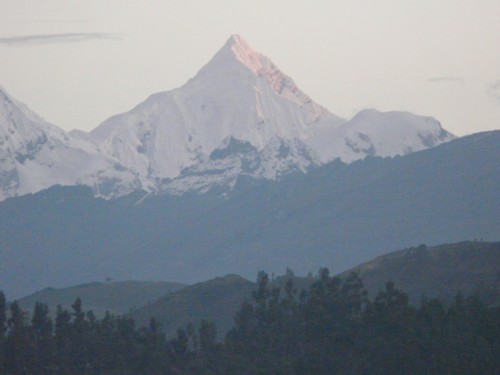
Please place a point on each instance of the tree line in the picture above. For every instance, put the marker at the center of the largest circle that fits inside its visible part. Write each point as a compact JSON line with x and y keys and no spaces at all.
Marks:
{"x":332,"y":328}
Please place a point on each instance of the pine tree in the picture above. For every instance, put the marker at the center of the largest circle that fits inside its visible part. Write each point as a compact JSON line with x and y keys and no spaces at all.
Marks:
{"x":42,"y":334}
{"x":62,"y":337}
{"x":18,"y":345}
{"x":3,"y":328}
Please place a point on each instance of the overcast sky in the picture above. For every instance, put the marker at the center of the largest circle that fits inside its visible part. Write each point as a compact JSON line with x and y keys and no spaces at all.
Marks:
{"x":78,"y":62}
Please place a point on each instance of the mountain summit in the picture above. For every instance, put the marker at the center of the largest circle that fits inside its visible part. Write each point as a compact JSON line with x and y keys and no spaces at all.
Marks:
{"x":239,"y":115}
{"x":237,"y":52}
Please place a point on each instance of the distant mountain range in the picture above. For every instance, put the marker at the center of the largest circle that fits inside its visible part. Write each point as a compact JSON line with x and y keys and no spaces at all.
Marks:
{"x":337,"y":215}
{"x":239,"y":116}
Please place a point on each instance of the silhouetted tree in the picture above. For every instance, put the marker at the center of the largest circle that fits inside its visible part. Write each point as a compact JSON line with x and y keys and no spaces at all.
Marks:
{"x":19,"y":349}
{"x":3,"y":329}
{"x":43,"y":341}
{"x":333,"y":328}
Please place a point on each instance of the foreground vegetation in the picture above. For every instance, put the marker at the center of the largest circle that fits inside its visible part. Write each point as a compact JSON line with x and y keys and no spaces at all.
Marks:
{"x":333,"y":328}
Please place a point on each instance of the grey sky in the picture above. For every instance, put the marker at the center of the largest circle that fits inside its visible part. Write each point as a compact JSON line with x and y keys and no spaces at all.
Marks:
{"x":78,"y":62}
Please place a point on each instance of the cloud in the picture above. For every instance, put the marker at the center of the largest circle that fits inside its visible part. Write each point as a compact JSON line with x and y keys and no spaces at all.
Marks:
{"x":54,"y":38}
{"x":59,"y":20}
{"x":493,"y":90}
{"x":445,"y":79}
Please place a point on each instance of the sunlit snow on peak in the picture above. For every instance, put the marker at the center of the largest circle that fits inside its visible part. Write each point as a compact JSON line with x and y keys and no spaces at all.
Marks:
{"x":245,"y":54}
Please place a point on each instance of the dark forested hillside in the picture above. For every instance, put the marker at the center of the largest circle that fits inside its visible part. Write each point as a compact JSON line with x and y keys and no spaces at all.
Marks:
{"x":434,"y":272}
{"x":337,"y":216}
{"x":215,"y":300}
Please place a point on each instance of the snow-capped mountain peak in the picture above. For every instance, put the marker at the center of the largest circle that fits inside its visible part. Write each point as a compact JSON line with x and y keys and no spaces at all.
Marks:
{"x":241,"y":98}
{"x":239,"y":115}
{"x":238,"y":94}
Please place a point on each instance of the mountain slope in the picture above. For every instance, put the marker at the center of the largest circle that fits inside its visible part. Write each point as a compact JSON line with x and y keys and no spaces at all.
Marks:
{"x":216,"y":300}
{"x":437,"y":272}
{"x":374,"y":133}
{"x":337,"y":215}
{"x":35,"y":155}
{"x":118,"y":297}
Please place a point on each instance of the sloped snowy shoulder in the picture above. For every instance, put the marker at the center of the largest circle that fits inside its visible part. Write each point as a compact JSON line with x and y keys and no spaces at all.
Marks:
{"x":374,"y":133}
{"x":35,"y":155}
